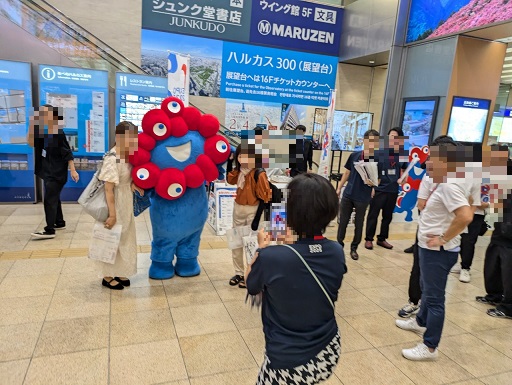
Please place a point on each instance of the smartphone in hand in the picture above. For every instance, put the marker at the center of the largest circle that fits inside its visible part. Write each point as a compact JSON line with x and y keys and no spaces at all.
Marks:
{"x":278,"y":220}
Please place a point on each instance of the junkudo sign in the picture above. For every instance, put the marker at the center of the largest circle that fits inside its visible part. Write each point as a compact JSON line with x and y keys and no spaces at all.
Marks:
{"x":289,"y":24}
{"x":219,"y":19}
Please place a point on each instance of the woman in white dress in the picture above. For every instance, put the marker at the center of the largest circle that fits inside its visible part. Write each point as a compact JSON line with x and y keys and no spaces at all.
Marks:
{"x":119,"y":189}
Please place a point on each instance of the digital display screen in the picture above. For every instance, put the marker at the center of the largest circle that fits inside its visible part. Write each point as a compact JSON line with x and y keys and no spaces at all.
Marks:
{"x":468,"y":119}
{"x":136,"y":95}
{"x":418,"y":120}
{"x":506,"y":128}
{"x":348,"y":130}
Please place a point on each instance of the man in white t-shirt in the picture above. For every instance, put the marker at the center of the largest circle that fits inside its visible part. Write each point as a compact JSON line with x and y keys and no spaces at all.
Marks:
{"x":446,"y":214}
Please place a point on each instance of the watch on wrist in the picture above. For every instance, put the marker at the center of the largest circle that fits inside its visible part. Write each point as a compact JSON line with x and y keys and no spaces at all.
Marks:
{"x":442,"y":238}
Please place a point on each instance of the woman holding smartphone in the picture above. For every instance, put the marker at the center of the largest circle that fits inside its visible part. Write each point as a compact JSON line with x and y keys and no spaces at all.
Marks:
{"x":299,"y":283}
{"x":119,"y":189}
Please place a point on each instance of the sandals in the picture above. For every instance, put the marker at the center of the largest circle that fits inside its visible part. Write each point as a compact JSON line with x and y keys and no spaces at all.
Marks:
{"x":124,"y":282}
{"x":235,"y":280}
{"x":238,"y":280}
{"x":113,"y":284}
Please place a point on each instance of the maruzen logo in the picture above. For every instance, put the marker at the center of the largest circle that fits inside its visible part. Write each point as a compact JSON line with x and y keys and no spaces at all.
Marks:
{"x":468,"y":103}
{"x":266,"y":28}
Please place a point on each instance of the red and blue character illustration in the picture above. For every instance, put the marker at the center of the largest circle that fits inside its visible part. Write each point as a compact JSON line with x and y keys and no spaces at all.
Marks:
{"x":408,"y":192}
{"x":179,"y":149}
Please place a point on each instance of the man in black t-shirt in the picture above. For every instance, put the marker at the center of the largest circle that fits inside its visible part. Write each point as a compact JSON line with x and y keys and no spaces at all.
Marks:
{"x":53,"y":157}
{"x":358,"y":193}
{"x":303,"y":154}
{"x":386,"y":192}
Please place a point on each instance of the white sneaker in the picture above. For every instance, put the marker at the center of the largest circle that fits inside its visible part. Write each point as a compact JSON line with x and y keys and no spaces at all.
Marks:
{"x":455,"y":269}
{"x":465,"y":276}
{"x":420,"y":353}
{"x":412,"y":325}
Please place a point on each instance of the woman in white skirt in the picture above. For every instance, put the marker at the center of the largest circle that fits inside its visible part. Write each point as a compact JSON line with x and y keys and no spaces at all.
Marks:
{"x":119,"y":189}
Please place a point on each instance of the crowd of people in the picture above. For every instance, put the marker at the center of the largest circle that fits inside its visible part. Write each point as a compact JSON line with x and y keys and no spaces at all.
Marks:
{"x":298,"y":273}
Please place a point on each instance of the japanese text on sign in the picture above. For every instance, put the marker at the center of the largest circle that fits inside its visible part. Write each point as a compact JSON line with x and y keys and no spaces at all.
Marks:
{"x":269,"y":75}
{"x":321,"y":15}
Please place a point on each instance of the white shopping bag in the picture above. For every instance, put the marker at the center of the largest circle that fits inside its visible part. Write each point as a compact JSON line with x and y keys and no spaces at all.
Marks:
{"x":235,"y":235}
{"x":250,"y":246}
{"x":104,"y":243}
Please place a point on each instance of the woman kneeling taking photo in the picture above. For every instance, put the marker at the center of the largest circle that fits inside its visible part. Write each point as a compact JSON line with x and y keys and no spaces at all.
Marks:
{"x":299,"y":282}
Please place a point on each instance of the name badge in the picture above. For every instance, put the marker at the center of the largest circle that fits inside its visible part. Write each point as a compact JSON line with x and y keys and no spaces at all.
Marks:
{"x":43,"y":153}
{"x":392,"y":171}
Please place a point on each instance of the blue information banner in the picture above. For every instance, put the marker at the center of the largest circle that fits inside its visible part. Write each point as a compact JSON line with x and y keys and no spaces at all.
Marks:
{"x":297,"y":25}
{"x":83,"y":96}
{"x":273,"y":75}
{"x":136,"y":95}
{"x":17,"y":183}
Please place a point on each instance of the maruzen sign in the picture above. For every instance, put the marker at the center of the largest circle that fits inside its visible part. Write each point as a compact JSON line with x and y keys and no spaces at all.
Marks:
{"x":289,"y":24}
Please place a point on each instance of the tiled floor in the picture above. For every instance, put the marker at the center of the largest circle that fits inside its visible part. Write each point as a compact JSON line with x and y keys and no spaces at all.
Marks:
{"x":59,"y":326}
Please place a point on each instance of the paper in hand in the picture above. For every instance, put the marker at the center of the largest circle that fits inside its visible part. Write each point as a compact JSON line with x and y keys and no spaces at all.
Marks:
{"x":407,"y":171}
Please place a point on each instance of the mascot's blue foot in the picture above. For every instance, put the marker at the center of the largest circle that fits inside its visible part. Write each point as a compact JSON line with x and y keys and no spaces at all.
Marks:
{"x":187,"y":267}
{"x":161,"y":270}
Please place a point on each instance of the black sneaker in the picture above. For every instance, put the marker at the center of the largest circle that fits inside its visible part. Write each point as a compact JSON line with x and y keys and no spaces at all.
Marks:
{"x":60,"y":227}
{"x":409,"y":250}
{"x":486,"y":301}
{"x":43,"y":235}
{"x":498,"y":314}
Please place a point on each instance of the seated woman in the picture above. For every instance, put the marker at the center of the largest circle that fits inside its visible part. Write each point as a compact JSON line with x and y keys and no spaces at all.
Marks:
{"x":299,"y":283}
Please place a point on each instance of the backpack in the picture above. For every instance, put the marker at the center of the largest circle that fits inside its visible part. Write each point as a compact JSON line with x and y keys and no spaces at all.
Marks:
{"x":277,"y":196}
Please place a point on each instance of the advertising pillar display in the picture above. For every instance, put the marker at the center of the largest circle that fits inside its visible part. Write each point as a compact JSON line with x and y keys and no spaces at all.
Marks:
{"x":136,"y":95}
{"x":325,"y":157}
{"x":179,"y":76}
{"x":17,"y":182}
{"x":83,"y":96}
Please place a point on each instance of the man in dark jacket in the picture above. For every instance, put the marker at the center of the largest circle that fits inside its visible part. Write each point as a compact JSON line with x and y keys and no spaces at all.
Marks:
{"x":53,"y":157}
{"x":304,"y":154}
{"x":498,"y":264}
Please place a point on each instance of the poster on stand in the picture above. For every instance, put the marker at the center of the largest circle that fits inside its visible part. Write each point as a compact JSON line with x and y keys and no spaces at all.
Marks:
{"x":83,"y":96}
{"x":136,"y":95}
{"x":325,"y":156}
{"x":17,"y":182}
{"x":178,"y":76}
{"x":246,"y":115}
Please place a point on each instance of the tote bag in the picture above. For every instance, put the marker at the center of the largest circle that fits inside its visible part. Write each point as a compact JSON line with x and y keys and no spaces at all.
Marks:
{"x":235,"y":236}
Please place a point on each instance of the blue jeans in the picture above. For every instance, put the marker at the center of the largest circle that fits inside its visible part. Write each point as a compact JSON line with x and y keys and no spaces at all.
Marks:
{"x":435,"y":267}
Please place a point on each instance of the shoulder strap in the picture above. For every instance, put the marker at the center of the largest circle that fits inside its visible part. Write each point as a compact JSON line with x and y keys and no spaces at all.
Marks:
{"x":257,"y":173}
{"x":312,"y":273}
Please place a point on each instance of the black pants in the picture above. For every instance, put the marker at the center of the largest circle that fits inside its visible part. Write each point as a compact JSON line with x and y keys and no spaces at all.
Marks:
{"x":52,"y":206}
{"x":414,"y":278}
{"x":497,"y":276}
{"x":386,"y":202}
{"x":346,"y":207}
{"x":468,"y":241}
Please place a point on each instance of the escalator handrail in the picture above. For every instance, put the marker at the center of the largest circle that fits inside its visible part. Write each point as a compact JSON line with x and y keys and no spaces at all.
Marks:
{"x":80,"y":31}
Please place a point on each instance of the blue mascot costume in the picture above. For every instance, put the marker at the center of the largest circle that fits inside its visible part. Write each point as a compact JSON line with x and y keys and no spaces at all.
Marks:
{"x":179,"y":150}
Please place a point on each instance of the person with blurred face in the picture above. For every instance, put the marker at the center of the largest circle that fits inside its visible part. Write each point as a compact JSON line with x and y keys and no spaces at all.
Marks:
{"x":386,"y":193}
{"x":53,"y":157}
{"x":119,"y":190}
{"x":446,"y":214}
{"x":358,"y":193}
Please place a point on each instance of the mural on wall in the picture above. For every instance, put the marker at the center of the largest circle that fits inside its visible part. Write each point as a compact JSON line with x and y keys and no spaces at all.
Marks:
{"x":434,"y":18}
